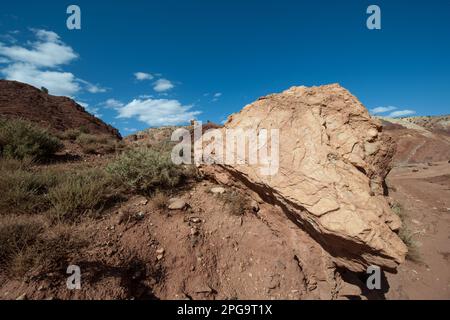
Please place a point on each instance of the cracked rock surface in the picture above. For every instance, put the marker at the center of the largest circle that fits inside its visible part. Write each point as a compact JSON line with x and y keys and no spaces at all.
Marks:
{"x":333,"y":159}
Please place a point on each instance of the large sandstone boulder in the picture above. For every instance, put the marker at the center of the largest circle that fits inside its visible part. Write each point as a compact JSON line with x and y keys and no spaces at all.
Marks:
{"x":332,"y":164}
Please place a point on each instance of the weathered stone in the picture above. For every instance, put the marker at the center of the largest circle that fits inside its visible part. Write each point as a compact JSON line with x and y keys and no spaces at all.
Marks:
{"x":177,"y":204}
{"x":254,"y":205}
{"x":333,"y":160}
{"x":218,"y":190}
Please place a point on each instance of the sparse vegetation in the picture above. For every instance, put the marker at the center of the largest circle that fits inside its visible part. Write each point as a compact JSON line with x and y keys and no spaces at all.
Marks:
{"x":68,"y":197}
{"x":160,"y":200}
{"x":406,"y":234}
{"x":16,"y":234}
{"x":23,"y":190}
{"x":146,"y":170}
{"x":81,"y":193}
{"x":20,"y":139}
{"x":92,"y":144}
{"x":70,"y":134}
{"x":24,"y":245}
{"x":235,"y":201}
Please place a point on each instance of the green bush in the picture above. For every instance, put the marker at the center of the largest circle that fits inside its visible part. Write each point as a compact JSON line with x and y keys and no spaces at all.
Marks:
{"x":20,"y":139}
{"x":146,"y":170}
{"x":80,"y":193}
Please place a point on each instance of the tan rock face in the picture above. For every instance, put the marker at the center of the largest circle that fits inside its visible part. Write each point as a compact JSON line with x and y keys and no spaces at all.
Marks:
{"x":332,"y":165}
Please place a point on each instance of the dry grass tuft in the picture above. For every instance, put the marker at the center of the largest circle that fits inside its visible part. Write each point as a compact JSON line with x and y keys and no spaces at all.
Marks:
{"x":406,"y":234}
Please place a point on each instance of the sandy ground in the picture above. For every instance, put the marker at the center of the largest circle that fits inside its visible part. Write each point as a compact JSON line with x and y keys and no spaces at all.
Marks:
{"x":425,"y":198}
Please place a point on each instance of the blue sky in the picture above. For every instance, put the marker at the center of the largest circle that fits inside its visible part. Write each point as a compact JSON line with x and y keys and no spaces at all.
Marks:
{"x":207,"y":59}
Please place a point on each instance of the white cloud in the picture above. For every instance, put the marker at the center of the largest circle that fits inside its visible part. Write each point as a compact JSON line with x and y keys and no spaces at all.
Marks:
{"x":401,"y":113}
{"x":130,"y":129}
{"x":158,"y":112}
{"x":216,"y":96}
{"x":47,"y":51}
{"x":46,"y":35}
{"x":143,"y":76}
{"x":382,"y":109}
{"x":38,"y":64}
{"x":163,"y":85}
{"x":113,"y":103}
{"x":57,"y":82}
{"x":92,"y":88}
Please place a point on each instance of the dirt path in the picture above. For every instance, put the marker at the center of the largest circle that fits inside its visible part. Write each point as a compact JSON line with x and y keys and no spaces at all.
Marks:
{"x":425,"y":200}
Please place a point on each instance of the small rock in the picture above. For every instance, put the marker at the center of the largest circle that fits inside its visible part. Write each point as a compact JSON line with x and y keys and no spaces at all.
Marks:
{"x":140,"y":215}
{"x":218,"y":190}
{"x":255,"y":206}
{"x":194,"y":231}
{"x":140,"y":201}
{"x":177,"y":204}
{"x":196,"y":220}
{"x":22,"y":297}
{"x":160,"y":251}
{"x":159,"y":257}
{"x":204,"y":289}
{"x":349,"y":290}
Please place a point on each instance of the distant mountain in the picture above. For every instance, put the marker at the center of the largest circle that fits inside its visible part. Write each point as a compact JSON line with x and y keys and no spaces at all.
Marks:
{"x":19,"y":100}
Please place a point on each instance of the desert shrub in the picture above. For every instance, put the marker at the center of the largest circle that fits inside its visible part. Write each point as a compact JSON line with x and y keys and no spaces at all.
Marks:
{"x":70,"y":134}
{"x":406,"y":235}
{"x":92,"y":144}
{"x":160,"y":200}
{"x":83,"y":129}
{"x":11,"y":164}
{"x":25,"y":245}
{"x":145,"y":170}
{"x":50,"y":251}
{"x":235,"y":202}
{"x":21,"y":139}
{"x":81,"y":193}
{"x":398,"y":210}
{"x":22,"y":189}
{"x":16,"y":235}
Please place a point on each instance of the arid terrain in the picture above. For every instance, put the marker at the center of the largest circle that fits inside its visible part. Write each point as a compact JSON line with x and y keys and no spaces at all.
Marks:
{"x":420,"y":184}
{"x":352,"y":191}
